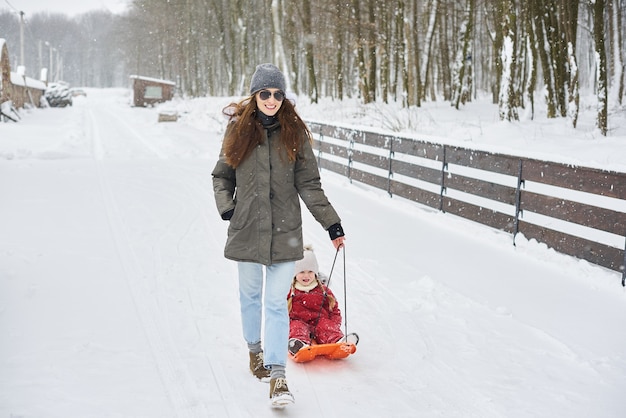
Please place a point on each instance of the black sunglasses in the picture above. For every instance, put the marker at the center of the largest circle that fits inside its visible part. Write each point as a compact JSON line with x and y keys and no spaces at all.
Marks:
{"x":266,"y":94}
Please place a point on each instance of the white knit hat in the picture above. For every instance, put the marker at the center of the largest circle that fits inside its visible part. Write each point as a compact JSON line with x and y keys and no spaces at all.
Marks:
{"x":308,"y":262}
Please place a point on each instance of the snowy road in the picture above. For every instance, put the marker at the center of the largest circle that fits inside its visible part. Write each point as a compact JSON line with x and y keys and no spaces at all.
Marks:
{"x":116,"y":301}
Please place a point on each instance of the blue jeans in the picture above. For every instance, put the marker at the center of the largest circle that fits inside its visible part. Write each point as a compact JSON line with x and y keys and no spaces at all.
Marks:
{"x":272,"y":305}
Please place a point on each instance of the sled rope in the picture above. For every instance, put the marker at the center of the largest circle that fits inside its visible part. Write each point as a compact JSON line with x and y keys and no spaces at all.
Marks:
{"x":345,"y":292}
{"x":345,"y":298}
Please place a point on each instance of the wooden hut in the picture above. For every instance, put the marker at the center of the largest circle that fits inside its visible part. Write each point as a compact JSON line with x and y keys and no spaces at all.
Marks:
{"x":148,"y":91}
{"x":26,"y":90}
{"x":15,"y":87}
{"x":5,"y":67}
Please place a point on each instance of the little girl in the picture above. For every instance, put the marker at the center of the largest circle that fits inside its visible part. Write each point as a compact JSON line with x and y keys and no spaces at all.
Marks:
{"x":313,"y":309}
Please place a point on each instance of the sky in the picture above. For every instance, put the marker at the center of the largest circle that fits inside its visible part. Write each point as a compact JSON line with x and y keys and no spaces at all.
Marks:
{"x":68,"y":7}
{"x":116,"y":299}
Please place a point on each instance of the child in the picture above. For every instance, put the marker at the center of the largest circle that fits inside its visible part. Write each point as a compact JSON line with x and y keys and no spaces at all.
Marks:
{"x":313,"y":309}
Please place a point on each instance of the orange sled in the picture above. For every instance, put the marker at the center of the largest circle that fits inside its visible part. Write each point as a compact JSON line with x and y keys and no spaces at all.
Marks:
{"x":331,"y":351}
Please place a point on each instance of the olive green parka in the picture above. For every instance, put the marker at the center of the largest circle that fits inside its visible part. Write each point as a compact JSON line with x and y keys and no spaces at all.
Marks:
{"x":264,"y":191}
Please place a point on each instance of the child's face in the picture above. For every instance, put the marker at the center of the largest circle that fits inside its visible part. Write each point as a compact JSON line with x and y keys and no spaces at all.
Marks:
{"x":305,"y":277}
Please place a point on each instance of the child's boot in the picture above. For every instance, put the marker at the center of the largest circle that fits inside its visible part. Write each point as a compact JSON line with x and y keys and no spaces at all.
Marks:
{"x":295,"y":345}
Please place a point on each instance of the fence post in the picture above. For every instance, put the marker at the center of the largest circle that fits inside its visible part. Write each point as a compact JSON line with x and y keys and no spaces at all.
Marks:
{"x":444,"y":167}
{"x":350,"y":152}
{"x":624,"y":267}
{"x":390,"y":168}
{"x":518,"y":199}
{"x":319,"y":149}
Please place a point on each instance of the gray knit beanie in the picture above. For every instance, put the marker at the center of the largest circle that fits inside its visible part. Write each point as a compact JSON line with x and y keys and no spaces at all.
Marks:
{"x":267,"y":76}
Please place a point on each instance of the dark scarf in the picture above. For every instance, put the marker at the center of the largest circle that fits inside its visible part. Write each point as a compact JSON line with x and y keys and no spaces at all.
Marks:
{"x":266,"y":121}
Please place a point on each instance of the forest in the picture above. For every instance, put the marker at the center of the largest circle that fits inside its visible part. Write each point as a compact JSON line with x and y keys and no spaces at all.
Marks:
{"x":522,"y":54}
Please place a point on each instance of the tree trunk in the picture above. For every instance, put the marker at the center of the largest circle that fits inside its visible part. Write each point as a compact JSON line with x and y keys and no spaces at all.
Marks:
{"x":363,"y":84}
{"x":462,"y":73}
{"x":569,"y":23}
{"x":507,"y":99}
{"x":339,"y":36}
{"x":601,"y":78}
{"x":416,"y":80}
{"x":573,"y":91}
{"x":542,"y":29}
{"x":617,"y":61}
{"x":399,"y":55}
{"x":442,"y":55}
{"x":279,"y":50}
{"x":558,"y":46}
{"x":308,"y":37}
{"x":530,"y":77}
{"x":385,"y":39}
{"x":372,"y":46}
{"x":427,"y":52}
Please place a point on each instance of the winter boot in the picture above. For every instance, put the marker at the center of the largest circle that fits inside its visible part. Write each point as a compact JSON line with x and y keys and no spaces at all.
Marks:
{"x":256,"y":367}
{"x":295,"y":345}
{"x":279,"y":393}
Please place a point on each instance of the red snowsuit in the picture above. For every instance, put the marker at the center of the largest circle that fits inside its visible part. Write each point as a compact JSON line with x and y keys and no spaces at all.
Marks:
{"x":304,"y":313}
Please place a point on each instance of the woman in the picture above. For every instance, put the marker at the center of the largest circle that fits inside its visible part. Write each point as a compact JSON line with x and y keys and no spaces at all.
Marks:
{"x":265,"y":167}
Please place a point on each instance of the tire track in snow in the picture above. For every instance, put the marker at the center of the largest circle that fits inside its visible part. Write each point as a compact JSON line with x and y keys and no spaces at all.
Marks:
{"x":198,"y":198}
{"x":177,"y":383}
{"x":192,"y":216}
{"x":94,"y":135}
{"x":116,"y":120}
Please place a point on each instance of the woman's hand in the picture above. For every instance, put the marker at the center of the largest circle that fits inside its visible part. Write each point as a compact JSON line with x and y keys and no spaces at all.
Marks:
{"x":338,"y":242}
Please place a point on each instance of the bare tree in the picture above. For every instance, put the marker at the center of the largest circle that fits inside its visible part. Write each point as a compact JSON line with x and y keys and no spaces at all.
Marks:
{"x":462,"y":70}
{"x":601,"y":77}
{"x":616,"y":9}
{"x":569,"y":23}
{"x":412,"y":70}
{"x":339,"y":52}
{"x":225,"y":37}
{"x":385,"y":28}
{"x":507,"y":103}
{"x":363,"y":82}
{"x":400,"y":70}
{"x":425,"y":64}
{"x":306,"y":19}
{"x":531,"y":56}
{"x":542,"y":30}
{"x":280,"y":57}
{"x":372,"y":42}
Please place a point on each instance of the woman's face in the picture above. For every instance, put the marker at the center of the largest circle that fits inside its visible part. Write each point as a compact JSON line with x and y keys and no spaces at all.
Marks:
{"x":267,"y":101}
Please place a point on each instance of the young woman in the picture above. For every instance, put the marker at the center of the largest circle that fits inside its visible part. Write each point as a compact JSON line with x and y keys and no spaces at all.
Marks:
{"x":265,"y":167}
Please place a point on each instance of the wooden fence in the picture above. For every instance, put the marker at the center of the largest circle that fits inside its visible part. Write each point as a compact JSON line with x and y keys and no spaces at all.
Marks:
{"x":577,"y":211}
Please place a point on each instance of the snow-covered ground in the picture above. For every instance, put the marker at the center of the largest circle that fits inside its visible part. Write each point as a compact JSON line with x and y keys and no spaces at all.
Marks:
{"x":116,"y":301}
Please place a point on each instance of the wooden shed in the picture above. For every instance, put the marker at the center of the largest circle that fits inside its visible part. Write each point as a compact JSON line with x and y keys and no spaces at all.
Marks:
{"x":26,"y":90}
{"x":5,"y":67}
{"x":148,"y":91}
{"x":15,"y":86}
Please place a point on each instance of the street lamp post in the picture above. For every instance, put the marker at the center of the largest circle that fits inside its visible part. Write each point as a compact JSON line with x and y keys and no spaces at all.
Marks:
{"x":22,"y":39}
{"x":51,"y":61}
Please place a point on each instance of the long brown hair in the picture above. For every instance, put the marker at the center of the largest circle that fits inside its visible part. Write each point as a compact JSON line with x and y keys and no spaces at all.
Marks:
{"x":245,"y":131}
